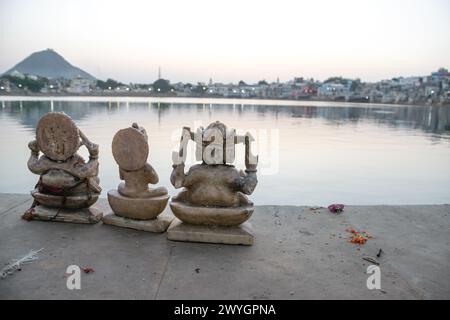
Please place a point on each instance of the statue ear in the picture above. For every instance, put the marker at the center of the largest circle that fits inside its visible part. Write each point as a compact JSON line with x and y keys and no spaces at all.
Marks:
{"x":198,"y":138}
{"x":230,"y":148}
{"x":180,"y":156}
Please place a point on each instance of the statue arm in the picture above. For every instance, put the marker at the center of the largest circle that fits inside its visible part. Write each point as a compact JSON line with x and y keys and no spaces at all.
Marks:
{"x":90,"y":169}
{"x":92,"y":147}
{"x":35,"y":165}
{"x":247,"y":181}
{"x":151,"y":174}
{"x":177,"y":178}
{"x":87,"y":170}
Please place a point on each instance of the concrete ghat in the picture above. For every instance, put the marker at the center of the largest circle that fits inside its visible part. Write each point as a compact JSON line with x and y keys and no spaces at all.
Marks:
{"x":298,"y":253}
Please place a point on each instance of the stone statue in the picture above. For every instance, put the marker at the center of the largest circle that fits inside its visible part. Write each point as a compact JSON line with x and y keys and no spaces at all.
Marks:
{"x":214,"y":192}
{"x":66,"y":180}
{"x":134,"y":203}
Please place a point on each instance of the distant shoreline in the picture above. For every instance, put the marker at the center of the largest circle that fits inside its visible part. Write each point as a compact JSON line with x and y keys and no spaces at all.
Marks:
{"x":120,"y":97}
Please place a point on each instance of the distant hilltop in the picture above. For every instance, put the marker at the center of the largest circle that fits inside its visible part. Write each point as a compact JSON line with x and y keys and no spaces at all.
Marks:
{"x":49,"y":64}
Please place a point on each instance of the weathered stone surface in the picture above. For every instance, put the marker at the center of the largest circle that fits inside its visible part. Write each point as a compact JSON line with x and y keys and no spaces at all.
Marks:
{"x":137,"y":208}
{"x":133,"y":198}
{"x":66,"y":180}
{"x":214,"y":216}
{"x":214,"y":185}
{"x":136,"y":183}
{"x":180,"y":231}
{"x":57,"y":136}
{"x":130,"y":149}
{"x":214,"y":192}
{"x":69,"y":202}
{"x":159,"y":224}
{"x":90,"y":215}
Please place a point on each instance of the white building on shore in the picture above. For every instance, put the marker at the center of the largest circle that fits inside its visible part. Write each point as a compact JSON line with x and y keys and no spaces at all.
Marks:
{"x":328,"y":90}
{"x":80,"y":85}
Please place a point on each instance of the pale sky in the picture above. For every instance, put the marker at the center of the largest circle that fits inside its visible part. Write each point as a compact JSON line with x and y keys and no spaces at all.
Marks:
{"x":230,"y":40}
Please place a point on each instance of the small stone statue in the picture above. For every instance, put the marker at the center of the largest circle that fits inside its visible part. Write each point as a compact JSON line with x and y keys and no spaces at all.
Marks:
{"x":67,"y":183}
{"x":134,"y":204}
{"x":215,"y":192}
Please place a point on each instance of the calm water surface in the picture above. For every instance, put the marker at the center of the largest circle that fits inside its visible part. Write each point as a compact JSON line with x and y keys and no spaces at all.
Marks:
{"x":309,"y":155}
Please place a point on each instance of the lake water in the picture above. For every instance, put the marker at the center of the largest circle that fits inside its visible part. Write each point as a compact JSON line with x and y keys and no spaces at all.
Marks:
{"x":309,"y":153}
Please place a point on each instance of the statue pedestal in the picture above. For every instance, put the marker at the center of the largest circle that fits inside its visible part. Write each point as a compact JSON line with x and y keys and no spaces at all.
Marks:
{"x":137,"y":208}
{"x":159,"y":224}
{"x":180,"y":231}
{"x":89,"y":215}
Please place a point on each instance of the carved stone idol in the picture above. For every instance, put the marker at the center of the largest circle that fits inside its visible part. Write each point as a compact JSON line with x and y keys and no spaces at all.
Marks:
{"x":213,"y":205}
{"x":134,"y":204}
{"x":68,"y":186}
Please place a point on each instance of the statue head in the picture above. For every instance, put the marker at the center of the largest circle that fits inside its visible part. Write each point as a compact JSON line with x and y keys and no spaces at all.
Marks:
{"x":217,"y":144}
{"x":213,"y":145}
{"x":57,"y":136}
{"x":130,"y":148}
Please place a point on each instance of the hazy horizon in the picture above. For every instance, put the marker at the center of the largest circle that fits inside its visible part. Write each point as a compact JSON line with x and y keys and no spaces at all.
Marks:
{"x":230,"y":41}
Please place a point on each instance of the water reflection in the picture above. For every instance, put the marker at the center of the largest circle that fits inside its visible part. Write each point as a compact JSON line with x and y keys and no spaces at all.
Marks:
{"x":430,"y":119}
{"x":355,"y":155}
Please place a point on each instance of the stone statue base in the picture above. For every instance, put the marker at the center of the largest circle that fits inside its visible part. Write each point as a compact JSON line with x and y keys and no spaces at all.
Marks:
{"x":159,"y":224}
{"x":137,"y":208}
{"x":217,"y":216}
{"x":89,"y":215}
{"x":180,"y":231}
{"x":74,"y":201}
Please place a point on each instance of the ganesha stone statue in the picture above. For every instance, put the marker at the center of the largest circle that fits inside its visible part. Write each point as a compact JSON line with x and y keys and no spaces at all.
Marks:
{"x":213,"y":205}
{"x":68,"y":185}
{"x":134,"y":204}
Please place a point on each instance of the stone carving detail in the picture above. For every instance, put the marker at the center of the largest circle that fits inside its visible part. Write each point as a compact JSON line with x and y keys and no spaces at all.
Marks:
{"x":66,"y":180}
{"x":214,"y":192}
{"x":133,"y":198}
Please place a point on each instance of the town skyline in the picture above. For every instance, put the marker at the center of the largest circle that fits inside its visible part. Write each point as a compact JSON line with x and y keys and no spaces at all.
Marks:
{"x":232,"y":41}
{"x":159,"y":75}
{"x":47,"y":72}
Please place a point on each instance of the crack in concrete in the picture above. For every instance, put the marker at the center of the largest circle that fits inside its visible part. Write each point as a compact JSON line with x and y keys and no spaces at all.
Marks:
{"x":13,"y":207}
{"x":163,"y":274}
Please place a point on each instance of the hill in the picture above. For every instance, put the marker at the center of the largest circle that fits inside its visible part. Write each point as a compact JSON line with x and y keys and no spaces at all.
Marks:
{"x":49,"y":64}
